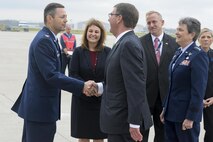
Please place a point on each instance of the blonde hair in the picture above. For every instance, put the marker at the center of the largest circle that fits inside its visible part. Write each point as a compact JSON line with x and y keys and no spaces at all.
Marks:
{"x":204,"y":30}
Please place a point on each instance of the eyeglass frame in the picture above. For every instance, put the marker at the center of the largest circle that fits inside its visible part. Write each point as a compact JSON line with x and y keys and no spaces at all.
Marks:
{"x":111,"y":14}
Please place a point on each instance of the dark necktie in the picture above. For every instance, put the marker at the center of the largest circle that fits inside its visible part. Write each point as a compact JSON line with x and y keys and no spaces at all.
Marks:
{"x":58,"y":46}
{"x":59,"y":50}
{"x":157,"y":50}
{"x":176,"y":56}
{"x":178,"y":53}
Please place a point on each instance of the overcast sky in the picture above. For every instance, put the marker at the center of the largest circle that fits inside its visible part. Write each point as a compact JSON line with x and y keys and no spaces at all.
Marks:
{"x":81,"y":10}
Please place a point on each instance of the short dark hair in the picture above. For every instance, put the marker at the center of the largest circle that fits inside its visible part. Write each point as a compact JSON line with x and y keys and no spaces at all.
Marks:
{"x":193,"y":25}
{"x":129,"y":14}
{"x":50,"y":10}
{"x":102,"y":39}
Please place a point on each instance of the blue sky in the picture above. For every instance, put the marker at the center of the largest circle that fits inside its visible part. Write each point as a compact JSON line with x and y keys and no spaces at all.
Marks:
{"x":81,"y":10}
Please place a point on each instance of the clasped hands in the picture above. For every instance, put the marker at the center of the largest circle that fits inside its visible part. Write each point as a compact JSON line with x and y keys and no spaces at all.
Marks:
{"x":91,"y":89}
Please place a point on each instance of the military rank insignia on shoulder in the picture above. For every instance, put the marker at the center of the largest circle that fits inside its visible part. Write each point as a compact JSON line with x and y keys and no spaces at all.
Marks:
{"x":197,"y":48}
{"x":46,"y":35}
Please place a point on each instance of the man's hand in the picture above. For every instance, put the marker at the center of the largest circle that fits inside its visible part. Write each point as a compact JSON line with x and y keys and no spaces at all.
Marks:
{"x":162,"y":116}
{"x":65,"y":50}
{"x":95,"y":87}
{"x":90,"y":88}
{"x":187,"y":124}
{"x":136,"y":134}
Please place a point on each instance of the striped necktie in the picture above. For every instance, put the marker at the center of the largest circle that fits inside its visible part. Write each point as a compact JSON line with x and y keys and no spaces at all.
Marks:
{"x":157,"y":50}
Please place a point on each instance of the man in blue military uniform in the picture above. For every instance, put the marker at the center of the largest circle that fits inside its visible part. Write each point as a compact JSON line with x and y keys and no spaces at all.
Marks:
{"x":39,"y":102}
{"x":188,"y":70}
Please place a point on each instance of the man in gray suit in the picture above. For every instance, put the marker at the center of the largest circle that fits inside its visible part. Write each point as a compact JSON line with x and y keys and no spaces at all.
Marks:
{"x":124,"y":106}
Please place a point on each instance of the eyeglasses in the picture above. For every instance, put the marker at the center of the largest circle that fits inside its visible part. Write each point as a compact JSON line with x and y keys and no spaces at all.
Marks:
{"x":111,"y":14}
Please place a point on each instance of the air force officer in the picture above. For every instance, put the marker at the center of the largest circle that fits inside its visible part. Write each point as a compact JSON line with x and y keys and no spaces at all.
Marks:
{"x":188,"y":70}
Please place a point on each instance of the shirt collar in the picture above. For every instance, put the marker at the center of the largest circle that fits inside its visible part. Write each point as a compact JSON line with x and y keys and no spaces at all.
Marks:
{"x":185,"y":48}
{"x":160,"y":37}
{"x":120,"y":35}
{"x":56,"y":38}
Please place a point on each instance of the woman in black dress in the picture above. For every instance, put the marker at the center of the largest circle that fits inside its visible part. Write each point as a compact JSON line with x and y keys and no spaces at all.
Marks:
{"x":88,"y":63}
{"x":205,"y":39}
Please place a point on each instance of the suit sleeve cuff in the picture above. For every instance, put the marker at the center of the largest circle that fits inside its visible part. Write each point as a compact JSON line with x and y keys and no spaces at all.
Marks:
{"x":100,"y":88}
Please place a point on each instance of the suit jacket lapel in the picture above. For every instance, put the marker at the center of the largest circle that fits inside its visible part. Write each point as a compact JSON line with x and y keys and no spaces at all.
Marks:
{"x":55,"y":41}
{"x":111,"y":52}
{"x":57,"y":47}
{"x":109,"y":56}
{"x":114,"y":48}
{"x":164,"y":48}
{"x":58,"y":50}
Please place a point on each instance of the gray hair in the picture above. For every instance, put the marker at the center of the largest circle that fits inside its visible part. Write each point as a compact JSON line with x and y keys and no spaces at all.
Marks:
{"x":154,"y":12}
{"x":193,"y":26}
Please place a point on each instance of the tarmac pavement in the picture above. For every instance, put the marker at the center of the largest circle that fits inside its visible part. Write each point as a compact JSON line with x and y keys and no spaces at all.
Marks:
{"x":13,"y":61}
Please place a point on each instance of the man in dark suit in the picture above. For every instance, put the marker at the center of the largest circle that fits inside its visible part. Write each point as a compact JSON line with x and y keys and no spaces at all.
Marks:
{"x":157,"y":69}
{"x":188,"y":70}
{"x":124,"y":105}
{"x":39,"y":102}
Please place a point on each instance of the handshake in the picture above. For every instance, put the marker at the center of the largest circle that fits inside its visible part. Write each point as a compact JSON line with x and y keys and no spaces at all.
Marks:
{"x":91,"y":89}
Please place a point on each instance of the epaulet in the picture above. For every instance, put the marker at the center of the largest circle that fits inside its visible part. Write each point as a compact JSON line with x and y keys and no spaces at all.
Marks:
{"x":47,"y":35}
{"x":197,"y":48}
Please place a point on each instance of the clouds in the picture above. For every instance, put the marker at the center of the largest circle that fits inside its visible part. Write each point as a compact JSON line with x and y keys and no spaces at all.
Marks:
{"x":81,"y":10}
